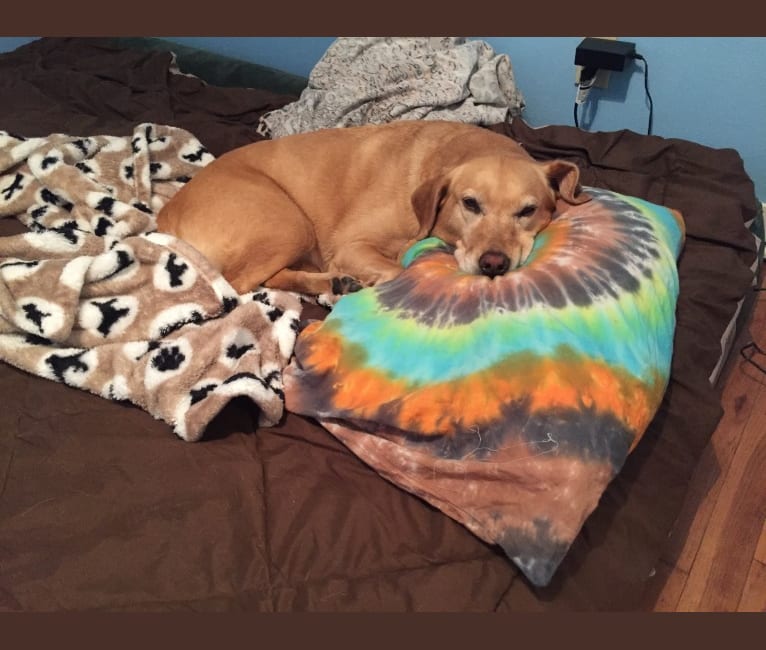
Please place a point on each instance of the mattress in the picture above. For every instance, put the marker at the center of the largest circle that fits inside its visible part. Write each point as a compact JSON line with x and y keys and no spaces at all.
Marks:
{"x":105,"y":508}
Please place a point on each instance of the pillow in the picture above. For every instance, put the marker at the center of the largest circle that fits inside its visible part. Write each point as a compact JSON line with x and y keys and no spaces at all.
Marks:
{"x":508,"y":403}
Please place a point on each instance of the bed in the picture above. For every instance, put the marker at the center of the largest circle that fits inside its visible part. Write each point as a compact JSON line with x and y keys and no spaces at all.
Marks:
{"x":105,"y":505}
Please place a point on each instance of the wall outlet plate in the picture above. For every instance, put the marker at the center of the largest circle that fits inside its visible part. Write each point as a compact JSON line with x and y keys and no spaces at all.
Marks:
{"x":602,"y":76}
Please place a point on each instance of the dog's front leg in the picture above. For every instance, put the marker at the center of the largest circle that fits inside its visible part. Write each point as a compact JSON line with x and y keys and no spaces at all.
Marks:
{"x":313,"y":283}
{"x":365,"y":263}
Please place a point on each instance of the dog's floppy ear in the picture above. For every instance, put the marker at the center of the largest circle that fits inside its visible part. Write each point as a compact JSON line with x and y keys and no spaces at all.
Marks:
{"x":564,"y":178}
{"x":427,"y":199}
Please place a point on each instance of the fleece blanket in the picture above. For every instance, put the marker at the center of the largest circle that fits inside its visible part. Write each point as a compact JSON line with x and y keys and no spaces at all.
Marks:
{"x":510,"y":403}
{"x":93,"y":297}
{"x":374,"y":80}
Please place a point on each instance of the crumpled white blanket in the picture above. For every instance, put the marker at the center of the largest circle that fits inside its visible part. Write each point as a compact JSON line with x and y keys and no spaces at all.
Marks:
{"x":374,"y":80}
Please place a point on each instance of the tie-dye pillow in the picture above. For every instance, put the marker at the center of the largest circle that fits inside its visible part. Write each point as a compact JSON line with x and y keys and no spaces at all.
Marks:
{"x":508,"y":403}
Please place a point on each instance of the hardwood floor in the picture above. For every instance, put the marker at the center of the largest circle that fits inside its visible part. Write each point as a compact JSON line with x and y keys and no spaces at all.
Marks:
{"x":721,"y":562}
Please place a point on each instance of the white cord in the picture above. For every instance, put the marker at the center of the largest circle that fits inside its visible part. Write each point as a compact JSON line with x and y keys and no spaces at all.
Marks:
{"x":583,"y":89}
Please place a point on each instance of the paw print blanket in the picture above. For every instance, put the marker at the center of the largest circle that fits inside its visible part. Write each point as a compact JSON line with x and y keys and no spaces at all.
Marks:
{"x":92,"y":297}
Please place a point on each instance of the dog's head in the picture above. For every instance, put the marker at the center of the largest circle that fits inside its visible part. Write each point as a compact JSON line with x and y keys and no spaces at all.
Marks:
{"x":491,"y":208}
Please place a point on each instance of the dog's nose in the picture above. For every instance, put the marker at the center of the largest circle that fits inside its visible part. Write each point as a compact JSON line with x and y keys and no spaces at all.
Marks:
{"x":494,"y":263}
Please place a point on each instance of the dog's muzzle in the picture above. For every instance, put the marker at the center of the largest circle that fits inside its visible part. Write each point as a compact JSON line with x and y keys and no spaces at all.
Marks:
{"x":494,"y":263}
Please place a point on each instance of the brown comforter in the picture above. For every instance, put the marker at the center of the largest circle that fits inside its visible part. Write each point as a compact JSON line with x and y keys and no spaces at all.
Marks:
{"x":103,"y":507}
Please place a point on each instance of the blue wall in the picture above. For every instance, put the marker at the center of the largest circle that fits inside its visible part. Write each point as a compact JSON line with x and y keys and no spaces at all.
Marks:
{"x":710,"y":90}
{"x":8,"y":43}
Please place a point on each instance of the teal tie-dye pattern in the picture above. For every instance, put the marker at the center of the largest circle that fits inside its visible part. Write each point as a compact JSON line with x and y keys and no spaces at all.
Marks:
{"x":661,"y":218}
{"x":633,"y":332}
{"x":418,"y":248}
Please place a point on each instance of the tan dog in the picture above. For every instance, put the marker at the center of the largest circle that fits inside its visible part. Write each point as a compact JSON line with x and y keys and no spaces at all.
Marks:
{"x":332,"y":210}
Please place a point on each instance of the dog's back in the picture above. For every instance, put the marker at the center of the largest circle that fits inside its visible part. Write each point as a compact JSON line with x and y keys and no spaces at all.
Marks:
{"x":301,"y":211}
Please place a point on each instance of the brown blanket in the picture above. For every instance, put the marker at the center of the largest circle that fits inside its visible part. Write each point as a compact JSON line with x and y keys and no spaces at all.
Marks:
{"x":103,"y":507}
{"x":91,"y":297}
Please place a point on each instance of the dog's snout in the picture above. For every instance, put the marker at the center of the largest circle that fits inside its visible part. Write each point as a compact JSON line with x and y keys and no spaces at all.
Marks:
{"x":494,"y":263}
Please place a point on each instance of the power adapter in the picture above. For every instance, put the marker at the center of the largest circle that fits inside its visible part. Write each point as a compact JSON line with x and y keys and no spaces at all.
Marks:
{"x":594,"y":54}
{"x":604,"y":54}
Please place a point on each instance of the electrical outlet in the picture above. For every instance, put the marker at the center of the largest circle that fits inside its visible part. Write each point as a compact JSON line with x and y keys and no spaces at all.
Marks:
{"x":602,"y":76}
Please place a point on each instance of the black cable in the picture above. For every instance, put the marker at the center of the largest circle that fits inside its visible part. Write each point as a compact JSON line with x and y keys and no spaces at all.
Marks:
{"x":648,"y":94}
{"x":587,"y":79}
{"x":757,"y":350}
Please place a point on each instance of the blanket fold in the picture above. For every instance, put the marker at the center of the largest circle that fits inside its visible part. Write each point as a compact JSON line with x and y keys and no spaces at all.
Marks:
{"x":374,"y":80}
{"x":91,"y":296}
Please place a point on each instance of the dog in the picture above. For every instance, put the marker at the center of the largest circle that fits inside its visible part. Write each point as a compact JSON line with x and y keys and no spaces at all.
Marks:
{"x":332,"y":211}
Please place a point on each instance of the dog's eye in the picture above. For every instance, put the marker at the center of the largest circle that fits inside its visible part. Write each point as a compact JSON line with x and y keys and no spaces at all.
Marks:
{"x":471,"y":204}
{"x":526,"y":211}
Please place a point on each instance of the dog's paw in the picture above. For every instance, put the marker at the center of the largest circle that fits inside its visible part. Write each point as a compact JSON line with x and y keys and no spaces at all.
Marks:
{"x":345,"y":284}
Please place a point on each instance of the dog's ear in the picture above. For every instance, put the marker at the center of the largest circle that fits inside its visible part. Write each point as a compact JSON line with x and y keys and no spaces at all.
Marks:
{"x":564,"y":178}
{"x":427,"y":199}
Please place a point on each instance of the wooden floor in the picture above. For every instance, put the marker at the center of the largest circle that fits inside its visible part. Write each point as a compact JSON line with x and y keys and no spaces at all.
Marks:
{"x":721,"y":562}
